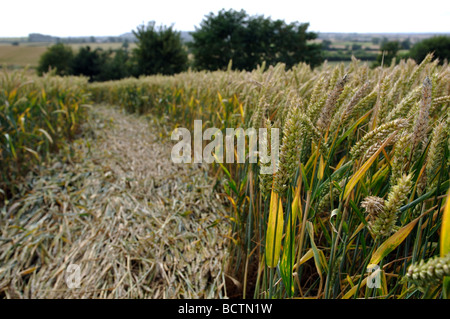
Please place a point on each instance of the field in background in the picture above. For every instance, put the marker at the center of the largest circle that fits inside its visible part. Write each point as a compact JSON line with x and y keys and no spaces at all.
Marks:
{"x":28,"y":54}
{"x":340,"y":48}
{"x":20,"y":55}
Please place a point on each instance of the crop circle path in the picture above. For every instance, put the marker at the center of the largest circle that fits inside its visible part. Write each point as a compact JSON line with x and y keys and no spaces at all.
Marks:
{"x":113,"y":203}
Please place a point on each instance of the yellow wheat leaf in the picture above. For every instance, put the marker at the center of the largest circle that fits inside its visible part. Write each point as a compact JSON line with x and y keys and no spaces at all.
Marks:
{"x":321,"y":167}
{"x":445,"y":229}
{"x":352,"y":291}
{"x":392,"y":242}
{"x":307,"y":256}
{"x":288,"y":256}
{"x":274,"y":231}
{"x":360,"y":173}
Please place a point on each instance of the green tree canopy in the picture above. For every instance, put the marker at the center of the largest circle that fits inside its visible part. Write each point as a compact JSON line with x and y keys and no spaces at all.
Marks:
{"x":389,"y":51}
{"x":219,"y":40}
{"x":406,"y":44}
{"x":250,"y":40}
{"x":116,"y":66}
{"x":58,"y":57}
{"x":89,"y":62}
{"x":159,"y":50}
{"x":97,"y":64}
{"x":439,"y":45}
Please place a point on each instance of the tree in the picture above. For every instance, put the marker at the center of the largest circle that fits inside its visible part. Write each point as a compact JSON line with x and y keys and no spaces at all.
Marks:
{"x":326,"y":44}
{"x":279,"y":42}
{"x":220,"y":39}
{"x":389,"y":51}
{"x":249,"y":41}
{"x":356,"y":47}
{"x":439,"y":45}
{"x":159,"y":50}
{"x":89,"y":62}
{"x":406,"y":44}
{"x":98,"y":65}
{"x":58,"y":57}
{"x":117,"y":65}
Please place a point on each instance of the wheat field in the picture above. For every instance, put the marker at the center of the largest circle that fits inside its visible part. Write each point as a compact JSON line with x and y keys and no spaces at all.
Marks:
{"x":361,"y":190}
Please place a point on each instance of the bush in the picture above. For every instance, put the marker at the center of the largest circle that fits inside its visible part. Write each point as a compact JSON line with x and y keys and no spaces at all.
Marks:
{"x":116,"y":66}
{"x":58,"y":57}
{"x":97,"y":65}
{"x":440,"y":46}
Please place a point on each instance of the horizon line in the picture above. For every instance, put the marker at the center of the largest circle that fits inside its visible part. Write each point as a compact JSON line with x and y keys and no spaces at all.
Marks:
{"x":319,"y":32}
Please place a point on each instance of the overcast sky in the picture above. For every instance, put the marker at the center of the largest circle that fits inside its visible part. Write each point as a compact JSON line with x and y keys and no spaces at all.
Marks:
{"x":112,"y":17}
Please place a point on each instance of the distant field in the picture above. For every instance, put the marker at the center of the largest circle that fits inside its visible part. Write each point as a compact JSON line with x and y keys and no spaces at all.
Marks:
{"x":28,"y":54}
{"x":104,"y":46}
{"x":335,"y":63}
{"x":20,"y":55}
{"x":342,"y":45}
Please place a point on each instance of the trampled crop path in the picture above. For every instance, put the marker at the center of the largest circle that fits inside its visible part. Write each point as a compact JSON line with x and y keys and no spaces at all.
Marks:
{"x":113,"y":203}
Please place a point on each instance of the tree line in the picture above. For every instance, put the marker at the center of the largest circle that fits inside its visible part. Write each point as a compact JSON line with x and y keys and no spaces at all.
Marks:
{"x":228,"y":35}
{"x":247,"y":41}
{"x":438,"y":45}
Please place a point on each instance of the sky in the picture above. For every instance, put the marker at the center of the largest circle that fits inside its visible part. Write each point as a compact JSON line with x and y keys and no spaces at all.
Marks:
{"x":112,"y":18}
